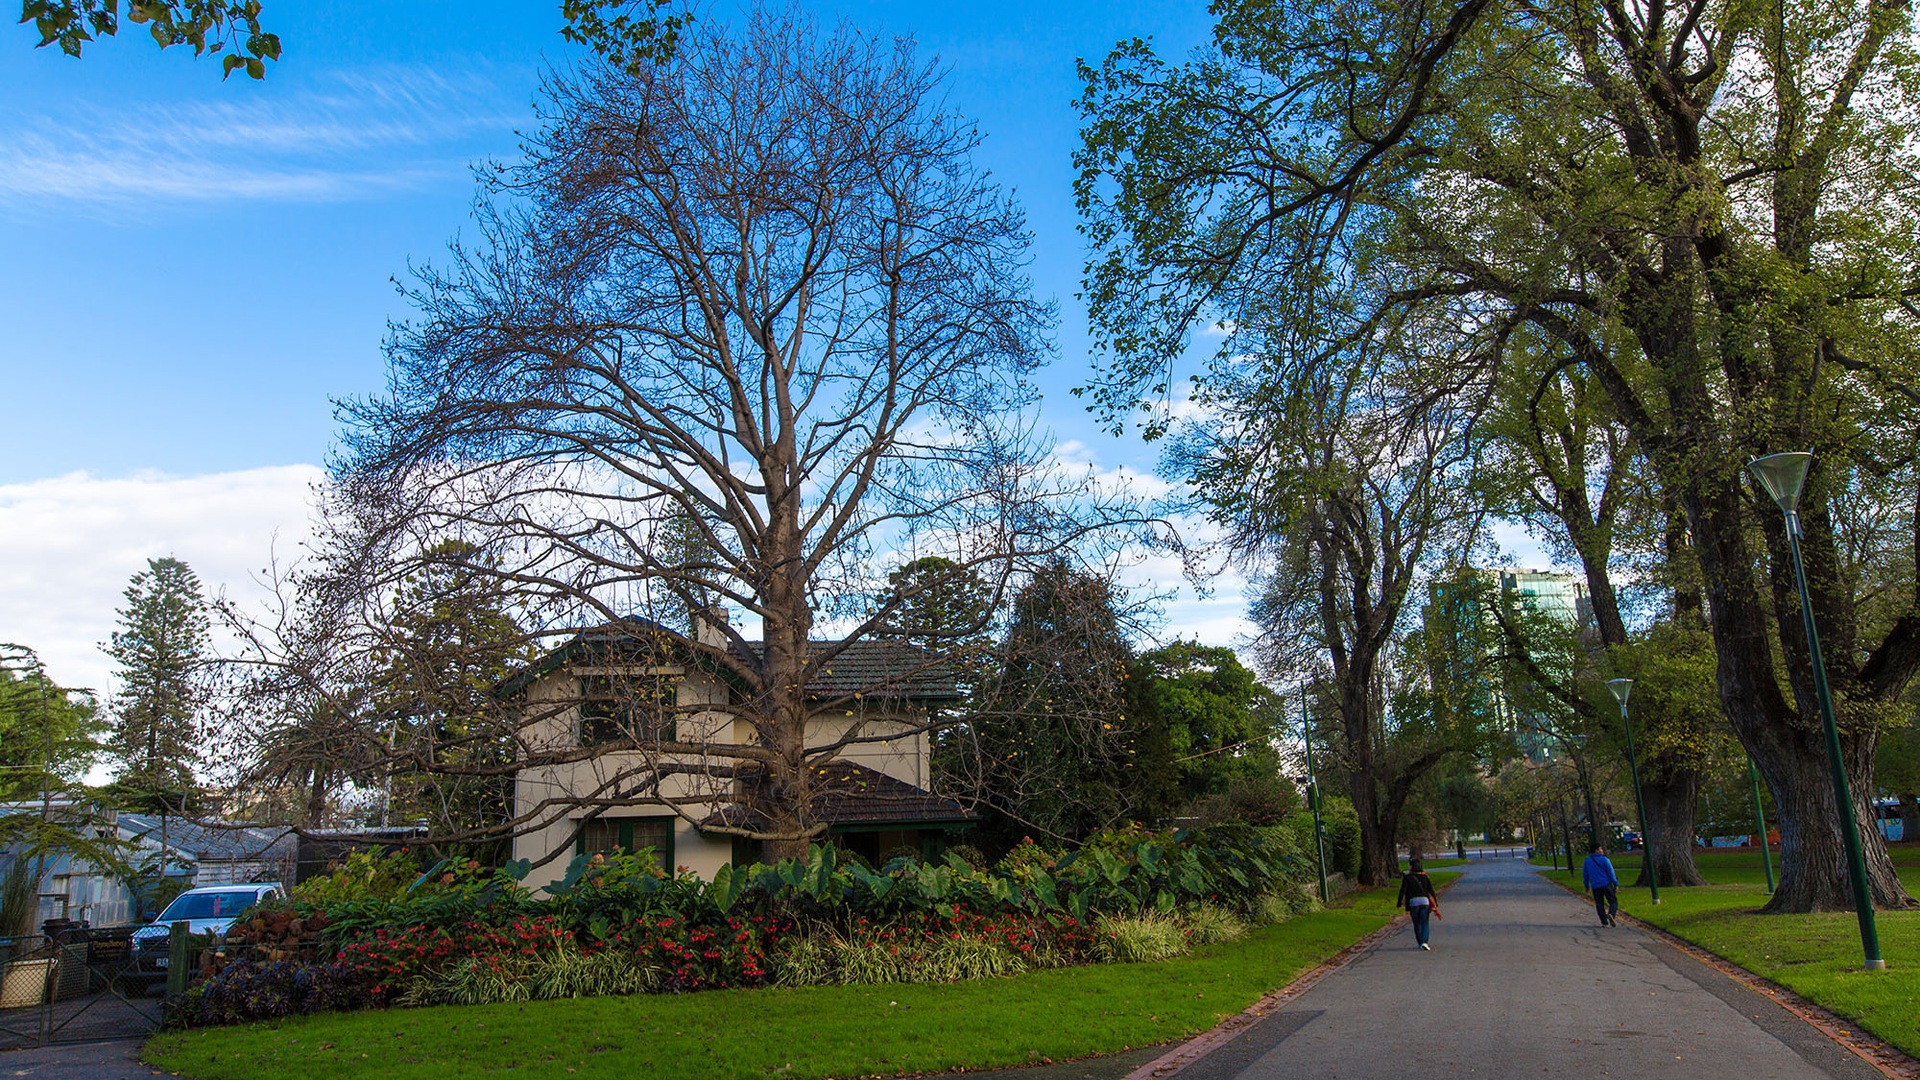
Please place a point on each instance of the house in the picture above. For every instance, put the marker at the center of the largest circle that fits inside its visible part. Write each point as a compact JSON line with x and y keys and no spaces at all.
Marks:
{"x":641,"y":684}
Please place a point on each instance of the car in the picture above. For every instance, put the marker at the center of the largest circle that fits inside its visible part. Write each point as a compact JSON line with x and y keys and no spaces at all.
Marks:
{"x":207,"y":909}
{"x":1630,"y":840}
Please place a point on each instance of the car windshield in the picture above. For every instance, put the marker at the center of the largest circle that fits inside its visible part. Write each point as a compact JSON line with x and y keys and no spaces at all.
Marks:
{"x":207,"y":905}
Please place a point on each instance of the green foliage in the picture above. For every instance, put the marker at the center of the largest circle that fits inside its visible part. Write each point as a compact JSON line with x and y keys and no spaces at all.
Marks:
{"x":811,"y":1034}
{"x":452,"y":636}
{"x":361,"y":875}
{"x":866,"y":958}
{"x":49,"y":735}
{"x":1219,"y":720}
{"x":461,"y":933}
{"x":1141,"y":939}
{"x":1060,"y":742}
{"x":210,"y":26}
{"x":159,"y":654}
{"x":1209,"y":923}
{"x":1679,"y":723}
{"x":1342,"y":828}
{"x":634,"y":36}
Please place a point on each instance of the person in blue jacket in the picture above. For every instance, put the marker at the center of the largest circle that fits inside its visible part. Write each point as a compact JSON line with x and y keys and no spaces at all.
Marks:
{"x":1597,"y":873}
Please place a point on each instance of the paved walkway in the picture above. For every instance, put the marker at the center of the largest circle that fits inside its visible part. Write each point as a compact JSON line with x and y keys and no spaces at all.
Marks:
{"x":1524,"y":982}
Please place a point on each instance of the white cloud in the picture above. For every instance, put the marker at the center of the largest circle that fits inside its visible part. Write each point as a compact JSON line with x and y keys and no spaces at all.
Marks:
{"x":69,"y":543}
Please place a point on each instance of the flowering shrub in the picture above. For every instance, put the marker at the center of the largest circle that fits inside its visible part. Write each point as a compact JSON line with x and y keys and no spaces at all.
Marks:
{"x":620,"y":924}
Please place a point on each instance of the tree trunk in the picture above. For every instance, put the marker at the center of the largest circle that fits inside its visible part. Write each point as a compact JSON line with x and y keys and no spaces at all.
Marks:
{"x":1380,"y":850}
{"x":1785,"y":734}
{"x":1909,"y":818}
{"x":1814,"y":875}
{"x":1671,"y":799}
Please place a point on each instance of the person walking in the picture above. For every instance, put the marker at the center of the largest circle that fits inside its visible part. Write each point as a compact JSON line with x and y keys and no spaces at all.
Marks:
{"x":1597,"y":874}
{"x":1421,"y":902}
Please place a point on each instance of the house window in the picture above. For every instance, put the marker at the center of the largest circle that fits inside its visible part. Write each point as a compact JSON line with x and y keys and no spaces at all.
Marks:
{"x":639,"y":707}
{"x":629,"y":835}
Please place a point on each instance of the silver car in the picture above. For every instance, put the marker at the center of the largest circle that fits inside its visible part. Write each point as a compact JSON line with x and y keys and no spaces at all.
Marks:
{"x":208,"y":909}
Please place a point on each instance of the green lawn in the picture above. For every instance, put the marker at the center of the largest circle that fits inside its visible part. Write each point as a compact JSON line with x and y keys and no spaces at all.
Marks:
{"x":796,"y":1034}
{"x":1815,"y":956}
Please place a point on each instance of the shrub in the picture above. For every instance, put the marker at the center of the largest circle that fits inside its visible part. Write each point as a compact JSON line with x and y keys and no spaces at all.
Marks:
{"x":1209,"y":923}
{"x":1140,"y":939}
{"x":1343,"y":835}
{"x":806,"y":960}
{"x":361,"y":875}
{"x":970,"y":855}
{"x":244,"y":990}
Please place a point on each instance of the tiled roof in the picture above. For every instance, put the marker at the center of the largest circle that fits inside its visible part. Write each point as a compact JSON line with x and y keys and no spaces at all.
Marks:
{"x":848,"y":794}
{"x":867,"y":667}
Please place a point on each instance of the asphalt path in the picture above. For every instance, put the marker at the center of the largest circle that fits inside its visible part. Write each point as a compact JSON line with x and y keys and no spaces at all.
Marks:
{"x":1523,"y":981}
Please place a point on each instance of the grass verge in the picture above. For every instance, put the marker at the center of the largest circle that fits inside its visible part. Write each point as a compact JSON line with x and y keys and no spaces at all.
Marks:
{"x":816,"y":1032}
{"x":1815,"y":956}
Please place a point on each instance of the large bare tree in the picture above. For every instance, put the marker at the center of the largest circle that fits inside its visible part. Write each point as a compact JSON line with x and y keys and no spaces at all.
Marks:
{"x":745,"y":327}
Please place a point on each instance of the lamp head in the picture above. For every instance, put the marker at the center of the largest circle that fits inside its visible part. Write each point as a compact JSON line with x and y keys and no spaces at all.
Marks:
{"x":1783,"y":475}
{"x":1621,"y":688}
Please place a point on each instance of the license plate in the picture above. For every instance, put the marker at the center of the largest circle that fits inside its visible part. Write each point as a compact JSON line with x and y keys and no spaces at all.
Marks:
{"x":160,"y":961}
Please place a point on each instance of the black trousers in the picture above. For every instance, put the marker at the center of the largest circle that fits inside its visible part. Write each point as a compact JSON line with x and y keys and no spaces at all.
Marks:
{"x":1606,"y":902}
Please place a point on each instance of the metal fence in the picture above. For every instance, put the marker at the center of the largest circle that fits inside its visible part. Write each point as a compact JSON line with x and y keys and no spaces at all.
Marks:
{"x":75,"y":985}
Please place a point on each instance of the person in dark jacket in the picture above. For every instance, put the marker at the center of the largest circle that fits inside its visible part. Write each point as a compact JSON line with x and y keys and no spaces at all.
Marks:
{"x":1421,"y":902}
{"x":1597,"y":874}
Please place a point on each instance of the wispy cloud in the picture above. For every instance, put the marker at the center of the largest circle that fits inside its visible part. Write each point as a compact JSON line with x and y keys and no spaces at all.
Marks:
{"x":360,"y":135}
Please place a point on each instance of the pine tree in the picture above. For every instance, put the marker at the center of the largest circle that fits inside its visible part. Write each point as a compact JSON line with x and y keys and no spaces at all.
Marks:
{"x":160,"y":651}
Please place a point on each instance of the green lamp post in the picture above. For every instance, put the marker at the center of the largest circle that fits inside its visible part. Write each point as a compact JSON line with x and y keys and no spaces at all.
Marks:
{"x":1621,"y":688}
{"x":1760,"y":819}
{"x":1783,"y":475}
{"x":1313,"y":798}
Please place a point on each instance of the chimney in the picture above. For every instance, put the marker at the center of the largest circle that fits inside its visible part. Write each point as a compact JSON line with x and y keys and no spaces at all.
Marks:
{"x":710,"y":626}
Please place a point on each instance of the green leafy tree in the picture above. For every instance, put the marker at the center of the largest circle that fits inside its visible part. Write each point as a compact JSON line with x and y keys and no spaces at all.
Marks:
{"x":1219,"y":720}
{"x":1056,"y":747}
{"x":1708,"y":208}
{"x":231,"y":27}
{"x":161,"y":660}
{"x":49,"y":737}
{"x":451,"y":637}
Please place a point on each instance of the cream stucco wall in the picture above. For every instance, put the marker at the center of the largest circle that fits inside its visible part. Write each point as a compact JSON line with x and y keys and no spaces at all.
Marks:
{"x":901,"y":752}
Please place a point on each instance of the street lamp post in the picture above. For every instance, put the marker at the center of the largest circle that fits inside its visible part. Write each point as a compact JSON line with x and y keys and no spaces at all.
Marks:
{"x":1621,"y":688}
{"x":1313,"y":797}
{"x":1760,"y":819}
{"x":1783,"y":475}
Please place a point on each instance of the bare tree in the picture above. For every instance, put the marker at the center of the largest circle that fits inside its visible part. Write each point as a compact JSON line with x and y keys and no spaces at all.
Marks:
{"x":741,"y":321}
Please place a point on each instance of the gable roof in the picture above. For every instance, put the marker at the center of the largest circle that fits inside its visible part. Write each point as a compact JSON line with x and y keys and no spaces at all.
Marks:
{"x":868,"y":667}
{"x":848,"y":794}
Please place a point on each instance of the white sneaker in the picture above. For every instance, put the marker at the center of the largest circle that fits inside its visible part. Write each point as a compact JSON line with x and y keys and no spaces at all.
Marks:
{"x":1425,"y":947}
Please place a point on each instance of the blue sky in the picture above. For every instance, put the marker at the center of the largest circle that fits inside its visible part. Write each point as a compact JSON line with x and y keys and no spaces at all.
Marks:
{"x":196,"y":267}
{"x":193,"y":268}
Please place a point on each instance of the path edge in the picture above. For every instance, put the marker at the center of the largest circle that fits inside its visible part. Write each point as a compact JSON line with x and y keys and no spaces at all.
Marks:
{"x":1890,"y":1060}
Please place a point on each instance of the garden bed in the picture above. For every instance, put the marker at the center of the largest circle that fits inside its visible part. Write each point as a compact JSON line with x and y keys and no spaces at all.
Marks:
{"x":814,"y":1032}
